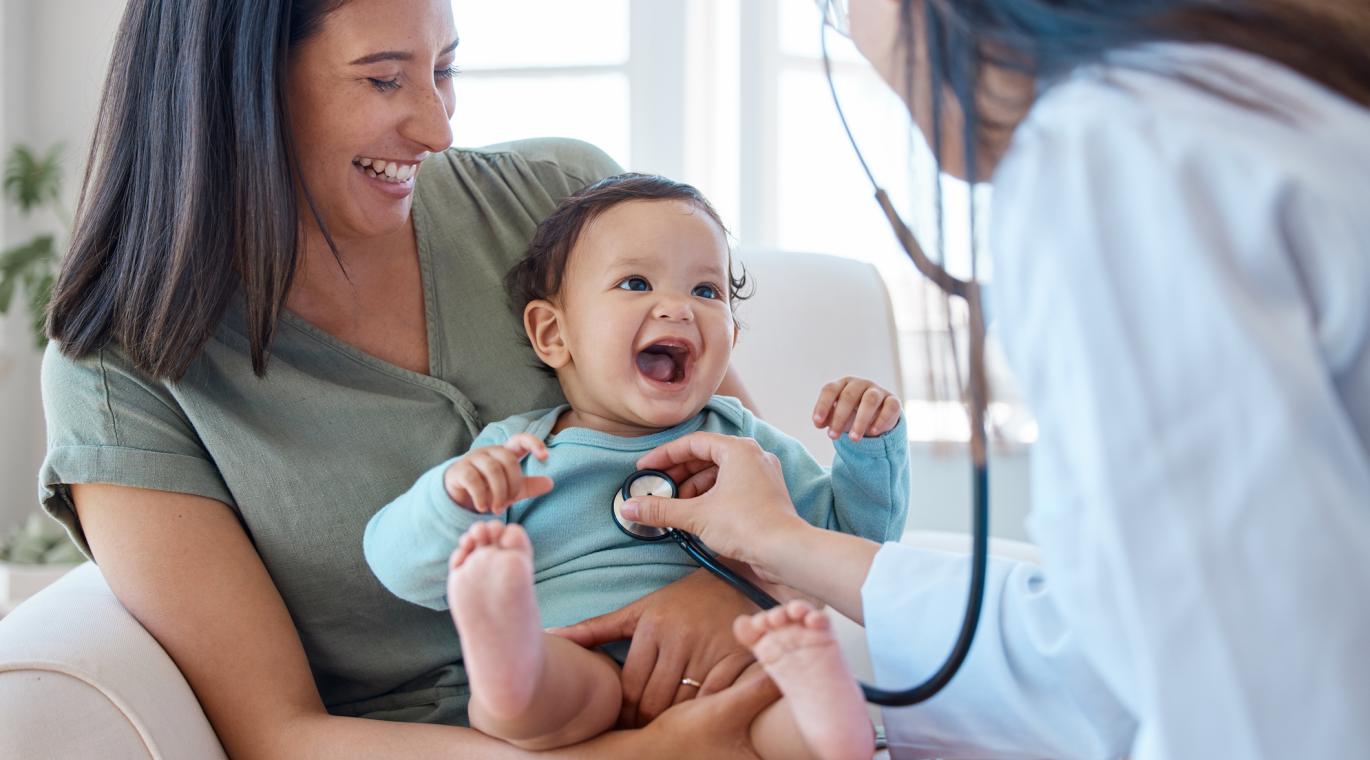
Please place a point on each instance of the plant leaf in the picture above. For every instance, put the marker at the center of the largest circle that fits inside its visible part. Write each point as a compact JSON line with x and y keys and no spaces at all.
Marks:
{"x":40,"y":293}
{"x":6,"y":293}
{"x":20,"y":258}
{"x":31,"y":181}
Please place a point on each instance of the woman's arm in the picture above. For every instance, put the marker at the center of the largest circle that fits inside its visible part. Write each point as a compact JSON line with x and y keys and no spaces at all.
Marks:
{"x":732,"y":386}
{"x":184,"y":567}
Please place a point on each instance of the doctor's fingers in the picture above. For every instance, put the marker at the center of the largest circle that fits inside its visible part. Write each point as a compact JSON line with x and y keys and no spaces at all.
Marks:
{"x":683,"y":471}
{"x":698,"y":483}
{"x":708,"y":447}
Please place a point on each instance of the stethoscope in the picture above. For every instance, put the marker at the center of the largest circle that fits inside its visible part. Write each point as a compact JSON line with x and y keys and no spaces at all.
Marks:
{"x":655,"y":483}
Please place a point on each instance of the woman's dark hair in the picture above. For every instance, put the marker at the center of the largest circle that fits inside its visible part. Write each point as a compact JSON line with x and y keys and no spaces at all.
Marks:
{"x":539,"y":275}
{"x":189,"y":194}
{"x":1324,"y":40}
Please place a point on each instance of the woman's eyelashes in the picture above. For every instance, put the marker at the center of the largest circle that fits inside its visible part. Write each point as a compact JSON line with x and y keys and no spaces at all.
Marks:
{"x":392,"y":84}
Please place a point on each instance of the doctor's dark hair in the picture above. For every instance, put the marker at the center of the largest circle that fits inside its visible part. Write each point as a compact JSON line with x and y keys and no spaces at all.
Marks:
{"x":190,"y":191}
{"x":539,"y":275}
{"x":1326,"y":41}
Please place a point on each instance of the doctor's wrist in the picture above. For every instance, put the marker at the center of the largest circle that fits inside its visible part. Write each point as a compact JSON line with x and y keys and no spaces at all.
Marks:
{"x":779,"y":547}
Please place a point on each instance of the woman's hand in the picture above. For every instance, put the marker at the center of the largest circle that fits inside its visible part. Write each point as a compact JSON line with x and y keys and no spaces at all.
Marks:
{"x":681,"y":631}
{"x":716,"y":726}
{"x":742,"y":510}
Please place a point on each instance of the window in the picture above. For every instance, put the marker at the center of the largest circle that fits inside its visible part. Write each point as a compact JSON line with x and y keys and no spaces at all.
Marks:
{"x":731,"y":97}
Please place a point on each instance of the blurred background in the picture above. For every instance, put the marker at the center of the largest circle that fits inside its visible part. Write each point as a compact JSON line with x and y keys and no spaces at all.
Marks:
{"x":728,"y":95}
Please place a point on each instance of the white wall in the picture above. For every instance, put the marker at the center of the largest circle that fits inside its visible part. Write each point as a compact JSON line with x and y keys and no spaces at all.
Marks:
{"x":53,"y":57}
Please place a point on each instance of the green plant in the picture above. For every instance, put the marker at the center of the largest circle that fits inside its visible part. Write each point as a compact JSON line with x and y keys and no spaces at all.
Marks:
{"x":32,"y":182}
{"x":39,"y":541}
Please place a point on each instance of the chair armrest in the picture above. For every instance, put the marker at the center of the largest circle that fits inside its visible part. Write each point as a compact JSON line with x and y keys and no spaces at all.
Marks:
{"x":79,"y":677}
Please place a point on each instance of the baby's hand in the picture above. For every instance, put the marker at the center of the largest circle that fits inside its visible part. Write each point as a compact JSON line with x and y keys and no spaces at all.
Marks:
{"x":856,"y":406}
{"x":489,"y":479}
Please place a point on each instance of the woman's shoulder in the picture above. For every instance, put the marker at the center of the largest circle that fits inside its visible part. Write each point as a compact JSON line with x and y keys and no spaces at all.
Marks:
{"x":552,"y":165}
{"x":86,"y":398}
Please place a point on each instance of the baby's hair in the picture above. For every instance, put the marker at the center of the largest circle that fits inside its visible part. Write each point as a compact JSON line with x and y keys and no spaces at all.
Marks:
{"x":539,"y":275}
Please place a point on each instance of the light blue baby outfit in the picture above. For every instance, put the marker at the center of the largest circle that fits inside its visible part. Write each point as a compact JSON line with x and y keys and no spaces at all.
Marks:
{"x":583,"y":564}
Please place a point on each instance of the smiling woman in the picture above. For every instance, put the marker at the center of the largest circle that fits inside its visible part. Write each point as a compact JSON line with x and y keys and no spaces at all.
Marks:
{"x":281,"y":304}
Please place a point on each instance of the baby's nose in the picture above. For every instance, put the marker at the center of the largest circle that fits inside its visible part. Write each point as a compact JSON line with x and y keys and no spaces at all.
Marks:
{"x":675,"y":308}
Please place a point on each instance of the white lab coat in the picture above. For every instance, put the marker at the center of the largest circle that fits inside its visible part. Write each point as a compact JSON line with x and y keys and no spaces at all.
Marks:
{"x":1182,"y":285}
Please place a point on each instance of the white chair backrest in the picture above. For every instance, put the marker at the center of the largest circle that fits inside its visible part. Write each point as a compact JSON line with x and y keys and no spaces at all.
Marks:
{"x":813,"y":319}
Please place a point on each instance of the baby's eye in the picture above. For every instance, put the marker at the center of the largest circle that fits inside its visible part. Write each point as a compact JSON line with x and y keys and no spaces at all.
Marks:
{"x":638,"y":284}
{"x":705,"y":291}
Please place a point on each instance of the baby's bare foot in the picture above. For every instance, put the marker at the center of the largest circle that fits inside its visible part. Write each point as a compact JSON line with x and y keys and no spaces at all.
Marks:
{"x":795,"y":644}
{"x":490,"y":592}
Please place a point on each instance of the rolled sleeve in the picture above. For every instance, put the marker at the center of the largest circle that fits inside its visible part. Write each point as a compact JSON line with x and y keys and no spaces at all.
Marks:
{"x":108,"y":424}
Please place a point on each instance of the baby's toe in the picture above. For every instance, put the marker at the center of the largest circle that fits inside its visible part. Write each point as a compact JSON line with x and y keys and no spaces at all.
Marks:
{"x":514,"y":537}
{"x":746,"y":630}
{"x":816,"y":620}
{"x":777,"y":617}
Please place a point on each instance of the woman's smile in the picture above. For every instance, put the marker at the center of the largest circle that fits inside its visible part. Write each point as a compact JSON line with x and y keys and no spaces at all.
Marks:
{"x":393,"y":177}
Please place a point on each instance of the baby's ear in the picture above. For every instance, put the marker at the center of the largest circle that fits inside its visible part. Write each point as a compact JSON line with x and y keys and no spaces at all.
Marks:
{"x":542,"y":322}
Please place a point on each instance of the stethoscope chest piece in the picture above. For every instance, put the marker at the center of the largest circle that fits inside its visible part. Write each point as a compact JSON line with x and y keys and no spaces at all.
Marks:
{"x":643,"y":483}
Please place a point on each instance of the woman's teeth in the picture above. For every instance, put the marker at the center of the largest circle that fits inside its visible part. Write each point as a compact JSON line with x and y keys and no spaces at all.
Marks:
{"x":387,"y":171}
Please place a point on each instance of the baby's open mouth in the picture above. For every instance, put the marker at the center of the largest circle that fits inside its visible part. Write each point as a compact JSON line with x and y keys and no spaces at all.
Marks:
{"x":666,"y":361}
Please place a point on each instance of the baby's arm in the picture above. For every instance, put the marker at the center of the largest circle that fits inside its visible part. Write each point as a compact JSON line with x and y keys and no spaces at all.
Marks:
{"x":408,"y":542}
{"x":866,"y":492}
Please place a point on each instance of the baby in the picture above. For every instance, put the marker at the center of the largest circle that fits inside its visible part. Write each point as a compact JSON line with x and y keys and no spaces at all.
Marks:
{"x":627,"y":294}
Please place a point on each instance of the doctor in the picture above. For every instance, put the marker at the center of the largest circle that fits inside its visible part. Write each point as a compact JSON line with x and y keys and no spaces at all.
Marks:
{"x":1181,"y":249}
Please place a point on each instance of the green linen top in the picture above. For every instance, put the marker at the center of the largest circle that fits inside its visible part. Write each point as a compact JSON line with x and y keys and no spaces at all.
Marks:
{"x":306,"y":454}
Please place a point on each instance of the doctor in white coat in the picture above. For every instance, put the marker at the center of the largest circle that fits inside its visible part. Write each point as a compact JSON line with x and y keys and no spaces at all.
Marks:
{"x":1181,"y":250}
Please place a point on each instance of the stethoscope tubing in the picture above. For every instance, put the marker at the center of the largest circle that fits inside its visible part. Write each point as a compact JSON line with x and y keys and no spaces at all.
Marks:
{"x":873,"y":694}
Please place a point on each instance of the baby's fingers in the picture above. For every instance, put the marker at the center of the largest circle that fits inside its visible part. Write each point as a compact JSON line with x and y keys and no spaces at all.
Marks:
{"x":527,"y":443}
{"x":847,"y":403}
{"x":496,"y":482}
{"x":867,"y":412}
{"x":822,"y":410}
{"x":890,"y":409}
{"x":529,"y":487}
{"x":468,"y":480}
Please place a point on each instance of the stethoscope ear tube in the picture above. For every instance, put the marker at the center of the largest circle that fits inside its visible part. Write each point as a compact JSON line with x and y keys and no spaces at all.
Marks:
{"x":709,"y":562}
{"x":978,"y":565}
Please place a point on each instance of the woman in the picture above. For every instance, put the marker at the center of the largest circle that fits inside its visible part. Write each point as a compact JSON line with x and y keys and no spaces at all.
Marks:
{"x":1181,"y":268}
{"x":282,"y":303}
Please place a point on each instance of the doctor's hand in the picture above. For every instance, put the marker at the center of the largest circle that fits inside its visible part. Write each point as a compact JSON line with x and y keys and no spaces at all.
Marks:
{"x":745,"y":513}
{"x":856,"y":407}
{"x":490,"y":479}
